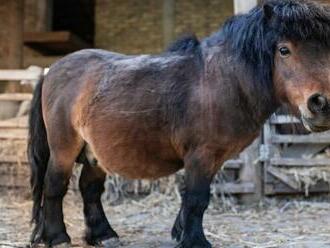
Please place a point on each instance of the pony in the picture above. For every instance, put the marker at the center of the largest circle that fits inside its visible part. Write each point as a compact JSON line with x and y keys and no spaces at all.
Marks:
{"x":191,"y":107}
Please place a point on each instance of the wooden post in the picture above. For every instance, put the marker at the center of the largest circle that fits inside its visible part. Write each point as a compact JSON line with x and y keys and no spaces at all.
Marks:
{"x":16,"y":24}
{"x":251,"y":170}
{"x":168,"y":21}
{"x":243,"y":6}
{"x":45,"y":15}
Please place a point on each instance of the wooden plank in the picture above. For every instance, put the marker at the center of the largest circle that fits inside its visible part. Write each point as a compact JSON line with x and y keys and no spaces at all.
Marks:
{"x":300,"y":162}
{"x":235,"y":188}
{"x":19,"y":75}
{"x":280,"y":188}
{"x":243,"y":6}
{"x":16,"y":97}
{"x":17,"y":134}
{"x":283,"y":177}
{"x":315,"y":138}
{"x":232,"y":164}
{"x":54,"y":43}
{"x":251,"y":172}
{"x":20,"y":122}
{"x":13,"y":160}
{"x":283,"y":119}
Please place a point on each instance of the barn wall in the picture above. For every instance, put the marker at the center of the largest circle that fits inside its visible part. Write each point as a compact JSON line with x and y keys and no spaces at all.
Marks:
{"x":133,"y":26}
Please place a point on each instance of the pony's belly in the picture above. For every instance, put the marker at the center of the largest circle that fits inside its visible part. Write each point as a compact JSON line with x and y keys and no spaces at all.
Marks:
{"x":140,"y":168}
{"x":136,"y":159}
{"x":151,"y":170}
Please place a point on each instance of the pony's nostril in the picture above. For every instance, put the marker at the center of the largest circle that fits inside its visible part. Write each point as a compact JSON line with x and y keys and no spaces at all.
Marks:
{"x":317,"y":103}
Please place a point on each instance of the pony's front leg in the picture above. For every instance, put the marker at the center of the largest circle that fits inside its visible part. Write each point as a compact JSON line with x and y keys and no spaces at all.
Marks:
{"x":188,"y":229}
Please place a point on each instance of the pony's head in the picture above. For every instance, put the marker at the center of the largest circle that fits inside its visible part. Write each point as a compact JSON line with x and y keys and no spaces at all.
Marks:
{"x":285,"y":48}
{"x":301,"y":70}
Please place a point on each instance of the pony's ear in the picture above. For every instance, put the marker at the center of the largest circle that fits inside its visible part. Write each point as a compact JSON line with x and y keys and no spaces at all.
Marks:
{"x":268,"y":11}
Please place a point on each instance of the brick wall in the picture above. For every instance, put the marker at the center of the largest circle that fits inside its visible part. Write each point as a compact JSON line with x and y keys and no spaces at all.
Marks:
{"x":135,"y":26}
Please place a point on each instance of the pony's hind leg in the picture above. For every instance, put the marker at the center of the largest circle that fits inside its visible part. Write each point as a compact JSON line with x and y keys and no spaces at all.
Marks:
{"x":56,"y":183}
{"x":50,"y":227}
{"x":91,"y":183}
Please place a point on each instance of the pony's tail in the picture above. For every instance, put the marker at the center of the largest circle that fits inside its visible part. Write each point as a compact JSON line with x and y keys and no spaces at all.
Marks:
{"x":38,"y":151}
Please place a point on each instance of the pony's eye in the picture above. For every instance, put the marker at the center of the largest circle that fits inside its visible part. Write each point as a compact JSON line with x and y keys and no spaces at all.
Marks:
{"x":284,"y":52}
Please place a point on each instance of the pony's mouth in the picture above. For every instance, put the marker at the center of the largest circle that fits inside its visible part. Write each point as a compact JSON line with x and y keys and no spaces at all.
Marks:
{"x":310,"y":126}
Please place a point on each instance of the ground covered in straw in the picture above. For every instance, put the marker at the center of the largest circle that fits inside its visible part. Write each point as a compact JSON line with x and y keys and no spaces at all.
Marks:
{"x":146,"y":223}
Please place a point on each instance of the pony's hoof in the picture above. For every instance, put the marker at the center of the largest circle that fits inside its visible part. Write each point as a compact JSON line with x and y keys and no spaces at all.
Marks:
{"x":63,"y":245}
{"x":110,"y":243}
{"x":187,"y":243}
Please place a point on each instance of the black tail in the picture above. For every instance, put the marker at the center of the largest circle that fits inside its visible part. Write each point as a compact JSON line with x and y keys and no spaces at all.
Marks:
{"x":38,"y":151}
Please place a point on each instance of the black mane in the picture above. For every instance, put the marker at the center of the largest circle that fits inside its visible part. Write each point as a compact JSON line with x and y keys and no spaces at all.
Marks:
{"x":184,"y":45}
{"x":253,"y":37}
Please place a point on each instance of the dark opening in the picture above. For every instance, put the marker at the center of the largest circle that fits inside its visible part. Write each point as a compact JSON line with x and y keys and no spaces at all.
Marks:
{"x":76,"y":17}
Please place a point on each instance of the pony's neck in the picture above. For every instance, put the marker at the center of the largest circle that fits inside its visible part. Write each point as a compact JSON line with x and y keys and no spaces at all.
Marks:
{"x":233,"y":86}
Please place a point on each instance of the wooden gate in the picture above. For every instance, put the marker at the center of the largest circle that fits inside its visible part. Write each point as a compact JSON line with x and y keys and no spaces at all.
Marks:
{"x":295,"y":161}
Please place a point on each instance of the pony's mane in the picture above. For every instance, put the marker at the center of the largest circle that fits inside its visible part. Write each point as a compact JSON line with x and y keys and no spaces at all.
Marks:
{"x":184,"y":45}
{"x":253,"y":37}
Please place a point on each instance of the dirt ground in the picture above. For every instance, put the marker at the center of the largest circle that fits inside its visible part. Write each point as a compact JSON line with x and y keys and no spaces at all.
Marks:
{"x":146,"y":223}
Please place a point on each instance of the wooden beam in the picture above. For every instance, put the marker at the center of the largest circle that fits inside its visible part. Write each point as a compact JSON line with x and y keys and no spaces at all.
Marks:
{"x":283,"y":177}
{"x":243,"y":6}
{"x":315,"y":138}
{"x":19,"y":75}
{"x":13,"y":159}
{"x":281,"y":188}
{"x":232,"y":164}
{"x":45,"y":15}
{"x":54,"y":43}
{"x":235,"y":188}
{"x":17,"y":134}
{"x":16,"y":23}
{"x":18,"y":122}
{"x":251,"y":172}
{"x":301,"y":162}
{"x":16,"y":97}
{"x":283,"y":119}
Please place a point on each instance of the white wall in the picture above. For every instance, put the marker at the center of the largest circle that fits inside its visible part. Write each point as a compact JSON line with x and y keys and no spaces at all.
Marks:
{"x":243,"y":6}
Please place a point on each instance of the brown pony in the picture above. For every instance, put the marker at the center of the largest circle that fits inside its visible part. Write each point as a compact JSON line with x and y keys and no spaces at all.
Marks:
{"x":192,"y":107}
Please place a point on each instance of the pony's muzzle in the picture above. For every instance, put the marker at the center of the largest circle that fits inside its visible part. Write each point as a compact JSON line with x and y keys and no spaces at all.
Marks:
{"x":318,"y":118}
{"x":318,"y":103}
